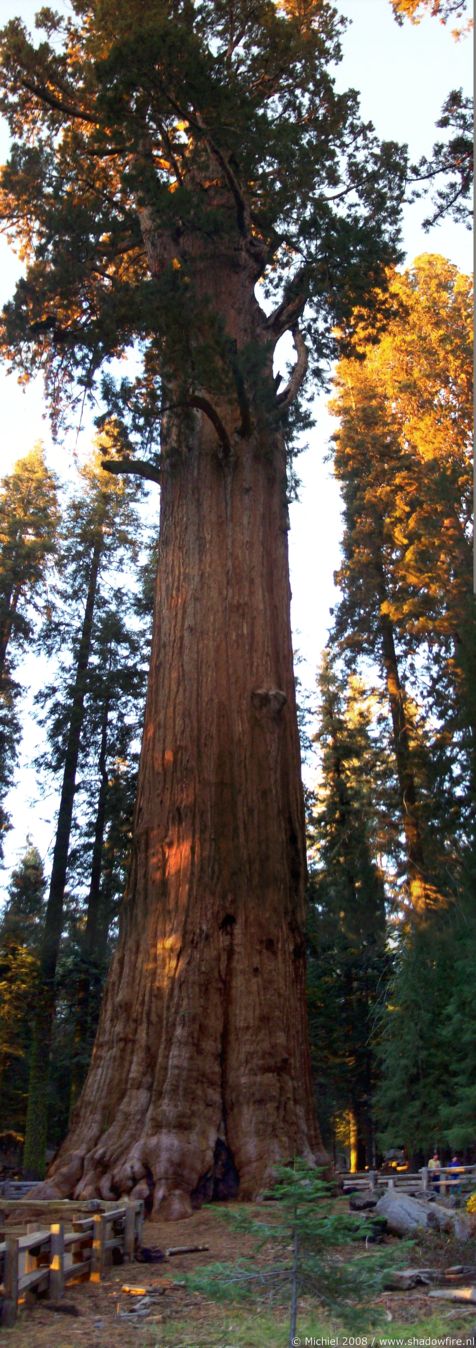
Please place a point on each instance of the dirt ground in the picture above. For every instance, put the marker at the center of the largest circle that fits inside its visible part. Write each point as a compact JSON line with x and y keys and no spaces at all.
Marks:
{"x":178,"y":1317}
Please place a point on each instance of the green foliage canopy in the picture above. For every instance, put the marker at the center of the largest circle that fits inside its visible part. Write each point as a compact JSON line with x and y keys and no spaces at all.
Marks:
{"x":144,"y":136}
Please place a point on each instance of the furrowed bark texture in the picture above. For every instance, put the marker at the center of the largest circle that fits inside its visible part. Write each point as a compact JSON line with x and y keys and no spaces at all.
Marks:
{"x":203,"y":1039}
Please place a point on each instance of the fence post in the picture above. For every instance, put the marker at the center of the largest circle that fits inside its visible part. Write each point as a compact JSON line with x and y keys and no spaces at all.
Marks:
{"x":99,"y":1241}
{"x":391,"y":1182}
{"x":139,"y":1211}
{"x":56,"y":1278}
{"x":129,"y":1232}
{"x":10,"y":1279}
{"x":424,"y":1178}
{"x":372,"y":1180}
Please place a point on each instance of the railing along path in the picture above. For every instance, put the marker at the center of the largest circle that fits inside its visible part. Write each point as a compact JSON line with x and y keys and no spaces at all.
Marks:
{"x":462,"y":1178}
{"x":50,"y":1259}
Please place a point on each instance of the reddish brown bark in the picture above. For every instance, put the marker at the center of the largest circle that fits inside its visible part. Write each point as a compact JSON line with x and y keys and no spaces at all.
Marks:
{"x":203,"y":1032}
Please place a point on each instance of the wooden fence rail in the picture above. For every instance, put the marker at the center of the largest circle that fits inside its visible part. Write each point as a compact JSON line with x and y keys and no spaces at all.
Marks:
{"x":50,"y":1259}
{"x":462,"y":1178}
{"x":18,"y":1188}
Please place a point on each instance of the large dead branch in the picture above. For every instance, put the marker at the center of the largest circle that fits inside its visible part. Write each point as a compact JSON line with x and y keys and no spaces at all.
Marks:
{"x":287,"y":313}
{"x":298,"y":372}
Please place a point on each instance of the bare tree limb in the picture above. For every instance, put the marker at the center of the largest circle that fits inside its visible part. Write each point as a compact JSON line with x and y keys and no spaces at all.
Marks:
{"x":298,"y":372}
{"x":134,"y":467}
{"x":287,"y":313}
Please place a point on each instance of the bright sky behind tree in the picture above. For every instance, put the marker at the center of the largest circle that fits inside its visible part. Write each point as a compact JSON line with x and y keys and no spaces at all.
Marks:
{"x":403,"y":75}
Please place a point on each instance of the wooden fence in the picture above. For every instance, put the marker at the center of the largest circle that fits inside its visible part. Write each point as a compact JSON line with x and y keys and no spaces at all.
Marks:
{"x":462,"y":1178}
{"x":18,"y":1188}
{"x":48,"y":1260}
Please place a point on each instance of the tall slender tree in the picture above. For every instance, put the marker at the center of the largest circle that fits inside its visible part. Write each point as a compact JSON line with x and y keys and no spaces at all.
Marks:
{"x":28,"y":527}
{"x":171,"y":158}
{"x":347,"y":927}
{"x":114,"y":720}
{"x":403,"y":457}
{"x":94,"y":528}
{"x":403,"y":454}
{"x":20,"y":938}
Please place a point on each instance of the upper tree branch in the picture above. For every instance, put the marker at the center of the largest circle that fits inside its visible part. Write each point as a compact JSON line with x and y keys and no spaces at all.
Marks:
{"x":298,"y":372}
{"x":135,"y":467}
{"x":242,"y":208}
{"x":45,"y":96}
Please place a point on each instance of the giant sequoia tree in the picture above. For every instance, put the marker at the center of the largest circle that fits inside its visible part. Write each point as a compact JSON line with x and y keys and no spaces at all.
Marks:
{"x":166,"y":159}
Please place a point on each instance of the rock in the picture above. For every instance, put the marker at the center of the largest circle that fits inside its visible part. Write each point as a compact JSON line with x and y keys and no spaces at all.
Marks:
{"x":363,"y":1200}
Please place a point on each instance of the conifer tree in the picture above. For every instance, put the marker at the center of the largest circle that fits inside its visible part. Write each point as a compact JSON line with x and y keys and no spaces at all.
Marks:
{"x":114,"y":713}
{"x":403,"y":455}
{"x":96,"y":524}
{"x":347,"y":928}
{"x":20,"y":939}
{"x":444,"y":10}
{"x":171,"y":157}
{"x":28,"y":525}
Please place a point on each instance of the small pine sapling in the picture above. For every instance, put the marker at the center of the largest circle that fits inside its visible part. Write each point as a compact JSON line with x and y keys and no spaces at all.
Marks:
{"x":312,"y":1241}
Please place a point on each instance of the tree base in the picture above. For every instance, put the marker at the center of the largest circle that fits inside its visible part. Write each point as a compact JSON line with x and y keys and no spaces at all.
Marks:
{"x":221,"y":1183}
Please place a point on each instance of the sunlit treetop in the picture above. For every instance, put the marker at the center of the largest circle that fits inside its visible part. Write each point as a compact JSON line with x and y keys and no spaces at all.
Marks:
{"x":444,"y":10}
{"x":403,"y":455}
{"x":148,"y":137}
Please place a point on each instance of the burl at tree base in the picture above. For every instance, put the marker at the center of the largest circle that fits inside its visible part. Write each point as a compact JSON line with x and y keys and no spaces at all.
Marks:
{"x":182,"y":156}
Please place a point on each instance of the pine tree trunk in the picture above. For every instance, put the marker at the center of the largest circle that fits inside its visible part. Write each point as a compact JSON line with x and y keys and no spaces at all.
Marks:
{"x":37,"y":1108}
{"x":6,"y":625}
{"x":94,"y":941}
{"x":417,"y":877}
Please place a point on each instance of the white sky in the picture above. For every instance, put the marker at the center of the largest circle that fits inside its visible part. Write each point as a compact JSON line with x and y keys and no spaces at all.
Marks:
{"x":403,"y":75}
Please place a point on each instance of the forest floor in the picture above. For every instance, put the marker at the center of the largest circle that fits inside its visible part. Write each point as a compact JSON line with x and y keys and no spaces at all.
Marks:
{"x":92,"y":1314}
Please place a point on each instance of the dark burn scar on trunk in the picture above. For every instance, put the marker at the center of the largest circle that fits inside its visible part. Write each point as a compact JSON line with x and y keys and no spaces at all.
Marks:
{"x":270,"y":700}
{"x":227,"y":923}
{"x":221,"y":1182}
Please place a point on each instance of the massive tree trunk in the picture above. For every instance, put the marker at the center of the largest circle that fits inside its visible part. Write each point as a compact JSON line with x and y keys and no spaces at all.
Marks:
{"x":202,"y":1043}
